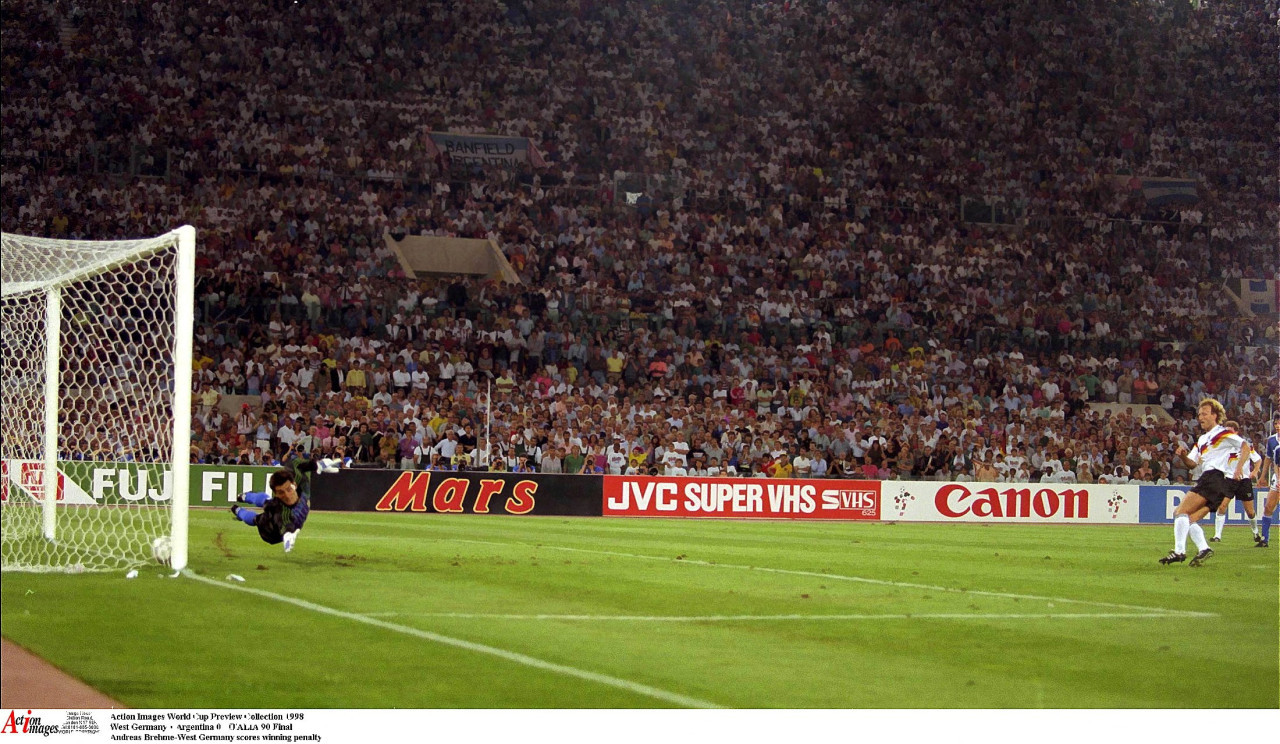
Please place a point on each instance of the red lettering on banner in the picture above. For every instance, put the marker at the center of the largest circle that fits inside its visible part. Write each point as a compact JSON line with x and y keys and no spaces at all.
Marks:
{"x":488,"y":489}
{"x":408,"y":492}
{"x":1045,"y":503}
{"x":943,"y":501}
{"x":989,"y":506}
{"x":449,"y":495}
{"x":955,"y":501}
{"x":31,"y":476}
{"x":521,"y":500}
{"x":1076,"y":503}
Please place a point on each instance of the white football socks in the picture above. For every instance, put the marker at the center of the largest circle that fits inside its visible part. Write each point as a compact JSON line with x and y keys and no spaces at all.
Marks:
{"x":1219,"y":520}
{"x":1197,"y":536}
{"x":1181,"y":525}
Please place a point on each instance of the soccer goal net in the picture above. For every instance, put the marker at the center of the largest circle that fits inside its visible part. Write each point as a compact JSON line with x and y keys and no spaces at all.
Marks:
{"x":95,"y":371}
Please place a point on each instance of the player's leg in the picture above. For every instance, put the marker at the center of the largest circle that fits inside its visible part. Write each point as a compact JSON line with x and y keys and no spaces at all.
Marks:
{"x":1194,"y":531}
{"x":1191,"y":504}
{"x":1220,"y":520}
{"x":1268,"y":510}
{"x":255,"y":498}
{"x":248,"y":516}
{"x":1197,"y":535}
{"x":1245,"y":497}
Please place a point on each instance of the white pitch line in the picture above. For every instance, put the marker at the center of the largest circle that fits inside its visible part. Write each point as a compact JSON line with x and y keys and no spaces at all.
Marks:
{"x":604,"y":679}
{"x":770,"y":618}
{"x":841,"y":577}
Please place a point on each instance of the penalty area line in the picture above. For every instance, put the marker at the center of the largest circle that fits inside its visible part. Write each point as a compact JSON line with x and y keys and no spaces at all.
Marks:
{"x":512,"y":656}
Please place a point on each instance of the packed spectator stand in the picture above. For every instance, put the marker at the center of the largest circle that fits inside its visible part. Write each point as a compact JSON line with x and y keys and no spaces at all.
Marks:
{"x":806,"y":296}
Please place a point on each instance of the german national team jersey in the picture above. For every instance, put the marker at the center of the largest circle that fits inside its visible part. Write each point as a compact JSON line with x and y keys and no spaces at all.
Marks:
{"x":1215,"y":448}
{"x":1250,"y":465}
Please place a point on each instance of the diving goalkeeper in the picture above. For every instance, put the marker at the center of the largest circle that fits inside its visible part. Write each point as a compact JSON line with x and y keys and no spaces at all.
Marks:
{"x":285,"y":510}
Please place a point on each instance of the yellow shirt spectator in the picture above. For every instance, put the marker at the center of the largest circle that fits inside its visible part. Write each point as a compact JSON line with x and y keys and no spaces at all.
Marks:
{"x":505,"y":383}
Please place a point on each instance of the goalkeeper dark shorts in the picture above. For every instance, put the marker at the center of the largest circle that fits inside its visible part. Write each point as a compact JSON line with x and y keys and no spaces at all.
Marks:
{"x":270,"y":522}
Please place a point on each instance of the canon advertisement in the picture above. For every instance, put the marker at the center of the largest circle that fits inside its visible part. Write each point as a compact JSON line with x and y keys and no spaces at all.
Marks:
{"x":738,"y":498}
{"x":922,"y":501}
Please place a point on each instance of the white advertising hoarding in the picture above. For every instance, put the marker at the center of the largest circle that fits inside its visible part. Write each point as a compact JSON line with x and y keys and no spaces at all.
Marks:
{"x":1028,"y":503}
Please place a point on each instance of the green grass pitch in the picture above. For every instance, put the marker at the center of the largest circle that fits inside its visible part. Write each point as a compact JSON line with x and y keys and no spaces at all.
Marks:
{"x":433,"y":611}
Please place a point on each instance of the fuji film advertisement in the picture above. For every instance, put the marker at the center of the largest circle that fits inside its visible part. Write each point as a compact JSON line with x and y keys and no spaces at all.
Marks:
{"x":87,"y":483}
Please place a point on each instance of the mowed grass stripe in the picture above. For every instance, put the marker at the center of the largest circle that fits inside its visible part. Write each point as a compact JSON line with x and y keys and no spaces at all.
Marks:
{"x":787,"y":618}
{"x":1143,"y":610}
{"x":413,"y":567}
{"x":1100,"y":566}
{"x":1019,"y":559}
{"x":604,"y":679}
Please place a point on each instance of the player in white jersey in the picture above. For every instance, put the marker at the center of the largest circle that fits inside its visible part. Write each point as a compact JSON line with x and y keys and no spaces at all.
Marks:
{"x":1240,"y":478}
{"x":1270,"y":475}
{"x":1212,"y":454}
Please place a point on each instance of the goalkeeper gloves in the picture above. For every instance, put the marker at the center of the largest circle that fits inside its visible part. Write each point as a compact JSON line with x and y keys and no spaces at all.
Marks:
{"x":289,"y":539}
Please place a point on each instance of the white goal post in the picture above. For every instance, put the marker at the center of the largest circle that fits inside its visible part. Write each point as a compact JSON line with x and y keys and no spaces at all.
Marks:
{"x":95,"y":376}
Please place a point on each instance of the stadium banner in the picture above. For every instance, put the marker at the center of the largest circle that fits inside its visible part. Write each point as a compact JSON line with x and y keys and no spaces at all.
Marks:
{"x":1261,"y":296}
{"x":116,"y":483}
{"x":1159,"y":192}
{"x":1166,"y":192}
{"x":446,"y":491}
{"x":1028,"y":503}
{"x":484,"y":149}
{"x":740,"y":498}
{"x":1156,"y":504}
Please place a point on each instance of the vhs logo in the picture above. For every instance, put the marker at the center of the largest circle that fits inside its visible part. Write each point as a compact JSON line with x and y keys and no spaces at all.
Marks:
{"x":864,"y":502}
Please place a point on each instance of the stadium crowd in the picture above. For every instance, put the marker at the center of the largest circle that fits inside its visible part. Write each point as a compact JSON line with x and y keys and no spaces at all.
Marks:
{"x":805,"y":296}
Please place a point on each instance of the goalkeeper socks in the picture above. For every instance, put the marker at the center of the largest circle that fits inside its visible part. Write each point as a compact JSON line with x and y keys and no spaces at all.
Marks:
{"x":257,"y":498}
{"x":1266,"y":529}
{"x":1219,"y":519}
{"x":1197,"y":536}
{"x":248,"y":517}
{"x":1181,"y":525}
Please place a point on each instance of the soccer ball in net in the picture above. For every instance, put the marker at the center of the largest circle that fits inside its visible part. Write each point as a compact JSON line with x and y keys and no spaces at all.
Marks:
{"x":162,"y":550}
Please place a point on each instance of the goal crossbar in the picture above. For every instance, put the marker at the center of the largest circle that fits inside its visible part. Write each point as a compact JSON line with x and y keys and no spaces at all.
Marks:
{"x":70,"y":267}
